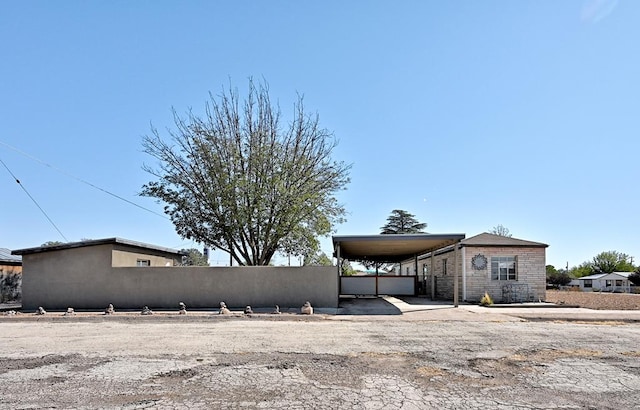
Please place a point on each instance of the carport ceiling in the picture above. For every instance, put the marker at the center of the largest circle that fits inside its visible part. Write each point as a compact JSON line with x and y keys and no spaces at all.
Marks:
{"x":391,"y":248}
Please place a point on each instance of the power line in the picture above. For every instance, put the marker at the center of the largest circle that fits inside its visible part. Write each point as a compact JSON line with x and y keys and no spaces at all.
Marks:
{"x":31,"y":157}
{"x":34,"y":201}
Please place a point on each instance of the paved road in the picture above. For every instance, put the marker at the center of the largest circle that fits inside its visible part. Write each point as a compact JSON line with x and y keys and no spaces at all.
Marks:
{"x":429,"y":357}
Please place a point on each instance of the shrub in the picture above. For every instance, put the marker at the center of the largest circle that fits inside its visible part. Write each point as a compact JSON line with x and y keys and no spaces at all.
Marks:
{"x":486,"y":300}
{"x":557,"y":279}
{"x":10,"y":284}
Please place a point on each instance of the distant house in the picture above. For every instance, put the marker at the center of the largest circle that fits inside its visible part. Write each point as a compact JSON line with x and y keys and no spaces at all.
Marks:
{"x":9,"y":263}
{"x":606,"y":282}
{"x":508,"y":269}
{"x":10,"y":275}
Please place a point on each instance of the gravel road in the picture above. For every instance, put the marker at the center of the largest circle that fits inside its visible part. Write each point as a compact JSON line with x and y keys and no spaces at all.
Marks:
{"x":203,"y":362}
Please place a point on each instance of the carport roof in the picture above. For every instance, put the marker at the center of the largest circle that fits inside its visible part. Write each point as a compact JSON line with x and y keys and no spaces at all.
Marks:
{"x":391,"y":248}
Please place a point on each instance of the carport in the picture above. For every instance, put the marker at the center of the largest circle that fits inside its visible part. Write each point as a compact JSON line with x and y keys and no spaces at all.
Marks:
{"x":391,"y":249}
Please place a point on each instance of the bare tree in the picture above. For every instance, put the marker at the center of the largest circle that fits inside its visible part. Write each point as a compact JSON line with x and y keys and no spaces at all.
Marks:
{"x":500,"y":231}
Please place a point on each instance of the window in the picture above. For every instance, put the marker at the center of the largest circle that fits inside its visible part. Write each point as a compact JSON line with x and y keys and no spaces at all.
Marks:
{"x":618,"y":282}
{"x":608,"y":283}
{"x":503,"y":268}
{"x":444,"y":266}
{"x":143,"y":262}
{"x":588,"y":283}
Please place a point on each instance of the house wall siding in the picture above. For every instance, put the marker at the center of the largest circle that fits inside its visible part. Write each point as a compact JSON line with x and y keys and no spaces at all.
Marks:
{"x":530,"y":271}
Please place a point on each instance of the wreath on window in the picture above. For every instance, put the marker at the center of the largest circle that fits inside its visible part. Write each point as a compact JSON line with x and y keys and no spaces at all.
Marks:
{"x":479,"y":262}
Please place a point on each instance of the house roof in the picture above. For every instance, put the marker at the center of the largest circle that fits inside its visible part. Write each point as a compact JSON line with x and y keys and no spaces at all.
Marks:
{"x":593,"y":277}
{"x":7,"y":257}
{"x":95,"y":242}
{"x":624,"y":275}
{"x":391,"y":248}
{"x":489,"y":239}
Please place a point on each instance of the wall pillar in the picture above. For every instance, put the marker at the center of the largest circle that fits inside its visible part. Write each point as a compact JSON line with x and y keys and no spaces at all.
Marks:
{"x":456,"y":273}
{"x":433,"y":277}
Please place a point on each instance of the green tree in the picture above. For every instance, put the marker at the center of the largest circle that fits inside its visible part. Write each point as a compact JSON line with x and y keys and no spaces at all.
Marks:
{"x":500,"y":231}
{"x":604,"y":262}
{"x":399,"y":222}
{"x":557,"y":277}
{"x":241,"y":180}
{"x":584,"y":269}
{"x":52,"y":243}
{"x":10,"y":286}
{"x":347,"y":269}
{"x":302,"y":241}
{"x":318,"y":259}
{"x":402,"y":222}
{"x":635,"y":277}
{"x":612,"y":261}
{"x":193,"y":257}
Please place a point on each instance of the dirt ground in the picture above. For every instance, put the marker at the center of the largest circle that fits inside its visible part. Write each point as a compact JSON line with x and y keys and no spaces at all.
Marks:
{"x":388,"y":362}
{"x":595,"y":300}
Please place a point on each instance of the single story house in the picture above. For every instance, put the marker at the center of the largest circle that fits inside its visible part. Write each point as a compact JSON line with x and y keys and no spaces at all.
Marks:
{"x":606,"y":282}
{"x":9,"y":263}
{"x":508,"y":269}
{"x":94,"y":273}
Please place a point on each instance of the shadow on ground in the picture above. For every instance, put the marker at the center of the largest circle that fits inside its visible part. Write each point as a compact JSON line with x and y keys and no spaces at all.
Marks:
{"x":388,"y":305}
{"x":366,"y":305}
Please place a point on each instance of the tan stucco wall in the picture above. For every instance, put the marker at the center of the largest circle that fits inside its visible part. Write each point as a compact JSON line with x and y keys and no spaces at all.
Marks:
{"x":258,"y":286}
{"x":122,"y":257}
{"x":84,"y":278}
{"x":49,"y":277}
{"x":530,"y":270}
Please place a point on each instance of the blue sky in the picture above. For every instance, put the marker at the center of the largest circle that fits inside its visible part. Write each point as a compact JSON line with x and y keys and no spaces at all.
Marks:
{"x":468,"y":114}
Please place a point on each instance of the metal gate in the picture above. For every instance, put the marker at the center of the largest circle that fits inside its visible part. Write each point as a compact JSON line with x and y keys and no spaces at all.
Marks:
{"x":378,"y":285}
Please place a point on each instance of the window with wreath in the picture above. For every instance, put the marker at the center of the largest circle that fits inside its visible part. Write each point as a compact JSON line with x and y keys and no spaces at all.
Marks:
{"x":503,"y":268}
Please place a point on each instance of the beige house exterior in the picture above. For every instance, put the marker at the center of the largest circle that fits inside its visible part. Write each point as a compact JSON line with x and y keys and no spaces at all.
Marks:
{"x":129,"y":275}
{"x":508,"y":269}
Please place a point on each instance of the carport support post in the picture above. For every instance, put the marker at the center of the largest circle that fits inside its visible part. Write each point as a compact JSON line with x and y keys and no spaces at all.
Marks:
{"x":433,"y":277}
{"x":455,"y":275}
{"x":339,"y":266}
{"x":415,"y":272}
